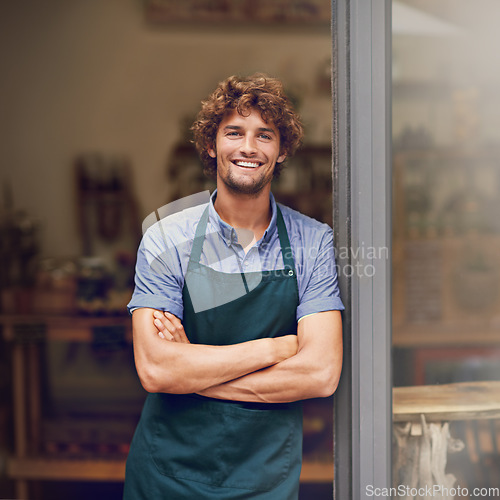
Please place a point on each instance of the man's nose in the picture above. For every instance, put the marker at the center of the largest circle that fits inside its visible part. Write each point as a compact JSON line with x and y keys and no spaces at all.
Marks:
{"x":248,"y":145}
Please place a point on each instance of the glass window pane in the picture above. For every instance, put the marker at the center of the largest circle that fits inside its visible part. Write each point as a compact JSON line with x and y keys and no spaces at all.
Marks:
{"x":446,"y":246}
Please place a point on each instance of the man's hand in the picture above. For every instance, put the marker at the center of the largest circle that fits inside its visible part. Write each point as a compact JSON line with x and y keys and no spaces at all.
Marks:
{"x":170,"y":327}
{"x":286,"y":346}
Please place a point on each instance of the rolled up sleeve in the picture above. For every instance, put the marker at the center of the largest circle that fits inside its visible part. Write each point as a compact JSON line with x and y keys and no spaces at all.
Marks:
{"x":321,"y":291}
{"x":158,"y":277}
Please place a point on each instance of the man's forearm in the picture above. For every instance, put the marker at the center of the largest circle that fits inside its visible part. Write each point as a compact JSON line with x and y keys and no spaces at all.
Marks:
{"x":166,"y":366}
{"x":313,"y":372}
{"x":290,"y":380}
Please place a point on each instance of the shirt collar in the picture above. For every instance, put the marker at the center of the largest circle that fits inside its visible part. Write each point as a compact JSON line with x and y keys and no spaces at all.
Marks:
{"x":229,"y":234}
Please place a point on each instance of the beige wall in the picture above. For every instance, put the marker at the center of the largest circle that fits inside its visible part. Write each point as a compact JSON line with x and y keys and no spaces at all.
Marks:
{"x":89,"y":75}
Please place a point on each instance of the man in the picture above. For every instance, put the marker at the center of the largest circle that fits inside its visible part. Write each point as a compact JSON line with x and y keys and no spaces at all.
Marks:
{"x":236,"y":316}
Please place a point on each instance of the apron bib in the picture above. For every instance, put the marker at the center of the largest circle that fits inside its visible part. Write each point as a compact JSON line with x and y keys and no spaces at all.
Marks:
{"x":193,"y":447}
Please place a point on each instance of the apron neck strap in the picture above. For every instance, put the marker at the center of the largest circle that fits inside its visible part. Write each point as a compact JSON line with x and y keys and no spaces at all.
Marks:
{"x":286,"y":248}
{"x":199,"y":237}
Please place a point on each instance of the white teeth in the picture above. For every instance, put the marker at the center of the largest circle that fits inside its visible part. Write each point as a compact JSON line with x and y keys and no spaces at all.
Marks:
{"x":247,"y":164}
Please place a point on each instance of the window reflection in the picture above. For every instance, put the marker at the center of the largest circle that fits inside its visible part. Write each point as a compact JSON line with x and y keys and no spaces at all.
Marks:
{"x":446,"y":236}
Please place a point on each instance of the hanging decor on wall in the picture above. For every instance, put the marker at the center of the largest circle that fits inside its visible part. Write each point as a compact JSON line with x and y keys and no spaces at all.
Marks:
{"x":272,"y":12}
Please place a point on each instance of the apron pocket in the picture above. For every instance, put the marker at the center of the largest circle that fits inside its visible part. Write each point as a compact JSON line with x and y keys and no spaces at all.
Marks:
{"x":224,"y":444}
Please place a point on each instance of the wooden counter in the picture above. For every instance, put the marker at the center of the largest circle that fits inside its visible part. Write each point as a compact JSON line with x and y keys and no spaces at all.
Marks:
{"x":422,"y":437}
{"x":438,"y":403}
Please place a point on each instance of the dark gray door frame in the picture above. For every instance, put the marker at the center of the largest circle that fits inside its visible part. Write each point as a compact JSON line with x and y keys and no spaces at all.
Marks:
{"x":362,"y":193}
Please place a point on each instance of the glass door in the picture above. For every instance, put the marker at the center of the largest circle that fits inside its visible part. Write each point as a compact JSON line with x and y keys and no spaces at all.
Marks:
{"x":446,"y":249}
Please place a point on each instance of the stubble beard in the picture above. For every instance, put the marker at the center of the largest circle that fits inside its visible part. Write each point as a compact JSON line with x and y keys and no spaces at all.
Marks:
{"x":253,"y":188}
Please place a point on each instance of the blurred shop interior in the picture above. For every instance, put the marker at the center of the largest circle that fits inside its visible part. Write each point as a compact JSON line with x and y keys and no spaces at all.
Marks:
{"x":97,"y":100}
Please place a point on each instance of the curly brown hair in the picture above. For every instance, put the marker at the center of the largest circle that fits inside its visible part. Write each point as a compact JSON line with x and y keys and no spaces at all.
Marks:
{"x":257,"y":91}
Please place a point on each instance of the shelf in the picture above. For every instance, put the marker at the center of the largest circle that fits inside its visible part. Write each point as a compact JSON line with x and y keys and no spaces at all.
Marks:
{"x":316,"y":472}
{"x":446,"y":335}
{"x":64,"y":328}
{"x":48,"y":469}
{"x":74,"y":470}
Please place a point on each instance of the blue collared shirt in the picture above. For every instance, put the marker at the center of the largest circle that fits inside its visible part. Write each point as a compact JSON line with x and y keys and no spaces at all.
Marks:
{"x":164,"y":252}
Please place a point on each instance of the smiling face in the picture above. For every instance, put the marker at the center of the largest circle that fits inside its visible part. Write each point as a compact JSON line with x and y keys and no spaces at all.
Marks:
{"x":247,"y":150}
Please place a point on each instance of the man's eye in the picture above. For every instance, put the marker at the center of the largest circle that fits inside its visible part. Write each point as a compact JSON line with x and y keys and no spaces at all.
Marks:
{"x":233,"y":134}
{"x":266,"y":137}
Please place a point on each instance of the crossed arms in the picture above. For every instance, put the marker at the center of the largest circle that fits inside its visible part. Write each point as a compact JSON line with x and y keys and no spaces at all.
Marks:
{"x":283,"y":369}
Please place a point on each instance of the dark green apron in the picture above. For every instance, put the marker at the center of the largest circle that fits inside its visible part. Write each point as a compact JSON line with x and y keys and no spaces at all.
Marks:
{"x":192,"y":447}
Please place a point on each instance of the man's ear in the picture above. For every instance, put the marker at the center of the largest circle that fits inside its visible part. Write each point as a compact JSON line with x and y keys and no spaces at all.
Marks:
{"x":211,"y":152}
{"x":281,"y":158}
